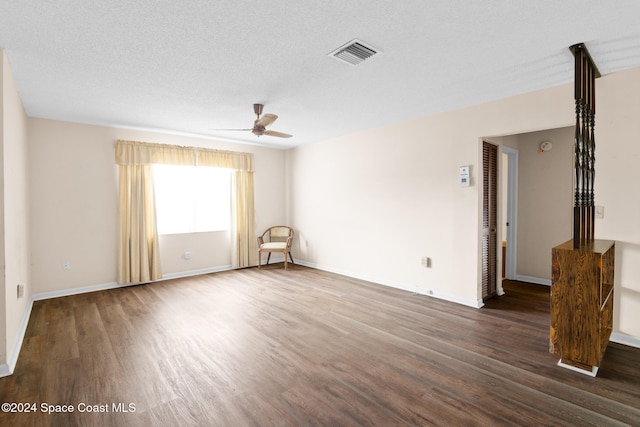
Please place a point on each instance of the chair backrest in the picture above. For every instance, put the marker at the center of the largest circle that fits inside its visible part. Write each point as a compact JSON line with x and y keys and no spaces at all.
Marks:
{"x":279,"y":233}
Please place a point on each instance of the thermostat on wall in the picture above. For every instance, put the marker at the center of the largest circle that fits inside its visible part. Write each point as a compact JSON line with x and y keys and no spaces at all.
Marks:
{"x":464,"y":178}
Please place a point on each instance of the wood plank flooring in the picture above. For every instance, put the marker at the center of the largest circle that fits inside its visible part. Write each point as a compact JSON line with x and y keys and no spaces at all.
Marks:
{"x":306,"y":348}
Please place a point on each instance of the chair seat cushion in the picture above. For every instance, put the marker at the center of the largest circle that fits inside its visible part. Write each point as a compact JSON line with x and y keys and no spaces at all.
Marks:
{"x":274,"y":245}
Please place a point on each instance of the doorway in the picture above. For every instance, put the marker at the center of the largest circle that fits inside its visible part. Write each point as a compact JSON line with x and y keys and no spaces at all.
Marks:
{"x":535,"y":199}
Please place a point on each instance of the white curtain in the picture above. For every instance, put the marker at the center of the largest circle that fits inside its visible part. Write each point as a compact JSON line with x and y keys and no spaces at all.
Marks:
{"x":138,"y":255}
{"x":243,"y":244}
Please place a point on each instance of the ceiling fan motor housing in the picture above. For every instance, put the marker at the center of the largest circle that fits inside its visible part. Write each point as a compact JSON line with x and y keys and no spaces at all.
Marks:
{"x":258,"y":130}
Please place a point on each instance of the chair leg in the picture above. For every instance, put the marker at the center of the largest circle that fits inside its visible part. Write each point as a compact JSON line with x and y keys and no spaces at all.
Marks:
{"x":268,"y":257}
{"x":291,"y":258}
{"x":259,"y":256}
{"x":285,"y":261}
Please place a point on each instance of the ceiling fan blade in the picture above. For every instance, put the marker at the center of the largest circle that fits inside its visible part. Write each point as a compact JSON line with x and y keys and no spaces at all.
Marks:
{"x":266,"y":120}
{"x":278,"y":134}
{"x":260,"y":124}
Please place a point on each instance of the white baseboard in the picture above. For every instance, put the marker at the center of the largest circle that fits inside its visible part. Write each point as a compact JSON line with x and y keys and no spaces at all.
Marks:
{"x":428,"y":292}
{"x":77,"y":291}
{"x":114,"y":285}
{"x":7,"y":369}
{"x":625,"y":339}
{"x":196,"y":272}
{"x":531,"y":279}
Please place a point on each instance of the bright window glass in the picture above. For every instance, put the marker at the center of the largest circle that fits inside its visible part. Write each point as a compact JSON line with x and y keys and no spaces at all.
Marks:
{"x":192,"y":199}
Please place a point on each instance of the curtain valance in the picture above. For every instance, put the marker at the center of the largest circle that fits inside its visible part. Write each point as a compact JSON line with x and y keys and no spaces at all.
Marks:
{"x":144,"y":153}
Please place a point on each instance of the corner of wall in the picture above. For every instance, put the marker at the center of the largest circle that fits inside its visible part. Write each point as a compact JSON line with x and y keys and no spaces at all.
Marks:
{"x":3,"y":304}
{"x":14,"y":219}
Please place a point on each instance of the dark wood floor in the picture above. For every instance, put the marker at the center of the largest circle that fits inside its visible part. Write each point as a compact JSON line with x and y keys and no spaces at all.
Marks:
{"x":305,"y":348}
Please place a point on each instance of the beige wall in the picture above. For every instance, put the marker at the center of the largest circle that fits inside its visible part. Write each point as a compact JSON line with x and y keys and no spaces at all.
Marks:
{"x":4,"y":368}
{"x":390,"y":195}
{"x":73,"y":205}
{"x":14,"y":215}
{"x":373,"y":203}
{"x":616,"y":188}
{"x":545,"y":202}
{"x":209,"y":251}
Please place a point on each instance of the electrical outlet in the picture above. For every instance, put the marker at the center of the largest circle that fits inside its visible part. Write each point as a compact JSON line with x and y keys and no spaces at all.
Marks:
{"x":66,"y":265}
{"x":187,"y":255}
{"x":425,"y":261}
{"x":20,"y":290}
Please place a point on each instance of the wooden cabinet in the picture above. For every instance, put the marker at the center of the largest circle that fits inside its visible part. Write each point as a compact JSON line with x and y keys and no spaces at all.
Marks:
{"x":582,"y":303}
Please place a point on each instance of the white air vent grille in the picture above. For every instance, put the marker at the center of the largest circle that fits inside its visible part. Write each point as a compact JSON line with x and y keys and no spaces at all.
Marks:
{"x":354,"y":52}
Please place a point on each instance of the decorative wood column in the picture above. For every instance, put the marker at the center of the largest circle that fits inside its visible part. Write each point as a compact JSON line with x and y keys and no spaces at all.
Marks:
{"x":582,"y":268}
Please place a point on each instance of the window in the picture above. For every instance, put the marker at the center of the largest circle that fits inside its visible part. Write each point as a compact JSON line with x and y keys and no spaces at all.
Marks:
{"x":192,"y":199}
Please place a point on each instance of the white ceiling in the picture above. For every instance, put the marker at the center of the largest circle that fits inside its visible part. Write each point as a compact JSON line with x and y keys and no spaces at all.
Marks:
{"x":191,"y":66}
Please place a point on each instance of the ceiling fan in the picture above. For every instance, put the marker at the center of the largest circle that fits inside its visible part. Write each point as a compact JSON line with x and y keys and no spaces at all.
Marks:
{"x":260,"y":124}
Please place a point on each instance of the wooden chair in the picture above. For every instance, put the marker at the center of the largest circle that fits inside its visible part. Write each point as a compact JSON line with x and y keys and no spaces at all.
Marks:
{"x":276,"y":239}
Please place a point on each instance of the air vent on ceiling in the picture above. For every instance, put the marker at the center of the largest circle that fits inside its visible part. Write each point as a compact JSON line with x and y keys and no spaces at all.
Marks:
{"x":354,"y":52}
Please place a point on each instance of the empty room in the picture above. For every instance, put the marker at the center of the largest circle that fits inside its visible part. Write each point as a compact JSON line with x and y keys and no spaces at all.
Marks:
{"x":345,"y":213}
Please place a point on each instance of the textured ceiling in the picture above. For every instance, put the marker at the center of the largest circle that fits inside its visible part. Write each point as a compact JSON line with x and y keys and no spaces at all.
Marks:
{"x":191,"y":66}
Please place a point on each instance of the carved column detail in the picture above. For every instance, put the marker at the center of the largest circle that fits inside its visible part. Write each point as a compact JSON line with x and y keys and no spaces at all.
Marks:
{"x":585,"y":146}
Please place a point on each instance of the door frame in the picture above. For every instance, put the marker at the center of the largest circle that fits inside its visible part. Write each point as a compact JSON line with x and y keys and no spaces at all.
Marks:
{"x":512,"y":212}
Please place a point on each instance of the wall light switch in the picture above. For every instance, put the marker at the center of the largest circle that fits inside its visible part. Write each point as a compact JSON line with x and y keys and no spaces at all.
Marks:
{"x":599,"y":212}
